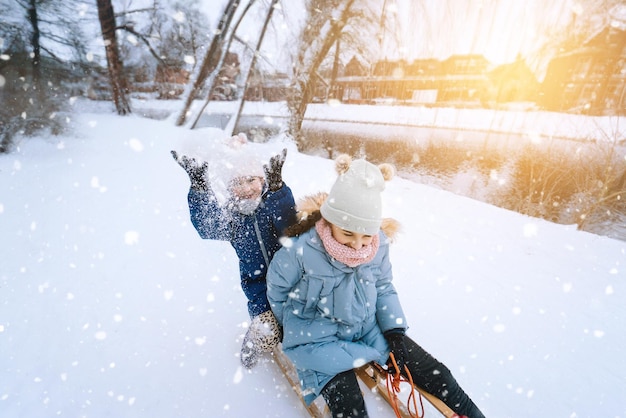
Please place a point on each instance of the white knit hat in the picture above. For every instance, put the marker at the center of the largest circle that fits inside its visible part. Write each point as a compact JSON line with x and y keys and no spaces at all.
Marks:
{"x":236,"y":159}
{"x":355,"y":202}
{"x":241,"y":160}
{"x":240,"y":164}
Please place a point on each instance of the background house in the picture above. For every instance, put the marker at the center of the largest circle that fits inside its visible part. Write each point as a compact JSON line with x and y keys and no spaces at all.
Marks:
{"x":513,"y":82}
{"x":268,"y":87}
{"x":590,"y":79}
{"x":459,"y":79}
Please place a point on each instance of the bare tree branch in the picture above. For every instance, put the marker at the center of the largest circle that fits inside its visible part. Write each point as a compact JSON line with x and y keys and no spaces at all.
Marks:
{"x":144,"y":39}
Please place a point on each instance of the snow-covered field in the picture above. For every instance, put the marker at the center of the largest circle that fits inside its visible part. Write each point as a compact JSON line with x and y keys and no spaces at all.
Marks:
{"x":112,"y":306}
{"x":537,"y":125}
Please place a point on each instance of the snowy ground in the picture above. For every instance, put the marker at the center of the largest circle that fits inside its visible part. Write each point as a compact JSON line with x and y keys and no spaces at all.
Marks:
{"x":111,"y":305}
{"x":537,"y":125}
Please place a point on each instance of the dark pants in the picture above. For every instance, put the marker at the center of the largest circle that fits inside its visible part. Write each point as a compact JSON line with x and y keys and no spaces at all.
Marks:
{"x":344,"y":398}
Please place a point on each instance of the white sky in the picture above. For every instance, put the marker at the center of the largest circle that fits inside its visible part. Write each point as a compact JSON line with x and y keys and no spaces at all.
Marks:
{"x":497,"y":29}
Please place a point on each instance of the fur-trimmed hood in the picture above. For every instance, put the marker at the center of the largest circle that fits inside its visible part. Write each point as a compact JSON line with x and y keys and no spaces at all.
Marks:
{"x":310,"y":206}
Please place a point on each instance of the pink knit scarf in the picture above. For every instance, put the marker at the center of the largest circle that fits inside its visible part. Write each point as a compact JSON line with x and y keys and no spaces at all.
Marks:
{"x":340,"y":252}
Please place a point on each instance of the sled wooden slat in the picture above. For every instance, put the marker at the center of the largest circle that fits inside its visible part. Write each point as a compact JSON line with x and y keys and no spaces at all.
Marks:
{"x":377,"y":380}
{"x":318,"y":408}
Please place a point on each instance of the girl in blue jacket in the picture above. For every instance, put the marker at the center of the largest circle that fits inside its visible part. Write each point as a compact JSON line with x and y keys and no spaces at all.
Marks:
{"x":258,"y":209}
{"x":330,"y":287}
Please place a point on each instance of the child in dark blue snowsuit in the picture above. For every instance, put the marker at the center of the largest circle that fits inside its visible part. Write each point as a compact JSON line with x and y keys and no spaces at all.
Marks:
{"x":259,"y":208}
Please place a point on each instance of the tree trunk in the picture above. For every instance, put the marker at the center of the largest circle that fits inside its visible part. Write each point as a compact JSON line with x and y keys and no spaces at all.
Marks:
{"x":116,"y":76}
{"x":333,"y":77}
{"x":34,"y":40}
{"x":232,"y":123}
{"x":305,"y":81}
{"x":225,"y":47}
{"x":210,"y":60}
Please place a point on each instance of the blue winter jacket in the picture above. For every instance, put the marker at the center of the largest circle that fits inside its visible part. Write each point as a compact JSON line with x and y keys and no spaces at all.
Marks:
{"x":254,"y":237}
{"x":333,"y":316}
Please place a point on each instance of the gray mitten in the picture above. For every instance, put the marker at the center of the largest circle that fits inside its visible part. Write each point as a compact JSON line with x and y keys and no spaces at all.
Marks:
{"x":262,"y":336}
{"x":196,"y":171}
{"x":274,"y":171}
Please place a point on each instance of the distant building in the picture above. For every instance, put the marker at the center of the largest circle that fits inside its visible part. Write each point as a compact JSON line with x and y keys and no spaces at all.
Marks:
{"x":268,"y":87}
{"x":590,"y":79}
{"x":465,"y":64}
{"x":466,"y":79}
{"x":459,"y":79}
{"x":169,"y":79}
{"x":513,"y":82}
{"x":387,"y":68}
{"x":423,"y":67}
{"x":354,"y":68}
{"x":226,"y":81}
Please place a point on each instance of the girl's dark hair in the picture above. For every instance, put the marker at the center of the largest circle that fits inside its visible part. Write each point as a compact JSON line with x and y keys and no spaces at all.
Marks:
{"x":303,"y":225}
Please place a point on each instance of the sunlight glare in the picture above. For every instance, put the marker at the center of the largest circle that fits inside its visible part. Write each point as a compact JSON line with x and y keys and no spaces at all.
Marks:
{"x":535,"y":138}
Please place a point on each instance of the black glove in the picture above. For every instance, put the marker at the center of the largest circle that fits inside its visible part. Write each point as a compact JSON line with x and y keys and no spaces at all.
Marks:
{"x":395,"y":339}
{"x":196,"y":171}
{"x":273,"y":171}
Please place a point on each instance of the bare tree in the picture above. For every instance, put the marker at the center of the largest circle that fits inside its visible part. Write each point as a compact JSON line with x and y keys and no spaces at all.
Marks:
{"x":166,"y":40}
{"x":225,"y":47}
{"x":32,"y":73}
{"x":119,"y":86}
{"x":232,"y":123}
{"x":34,"y":22}
{"x":324,"y":24}
{"x":581,"y":21}
{"x":51,"y":28}
{"x":210,"y":60}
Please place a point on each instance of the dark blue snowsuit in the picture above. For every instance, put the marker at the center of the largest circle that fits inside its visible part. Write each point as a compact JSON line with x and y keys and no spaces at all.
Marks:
{"x":254,"y":237}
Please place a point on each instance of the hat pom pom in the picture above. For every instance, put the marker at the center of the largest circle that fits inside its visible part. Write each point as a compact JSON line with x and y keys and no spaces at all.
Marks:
{"x":387,"y":170}
{"x":342,"y":163}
